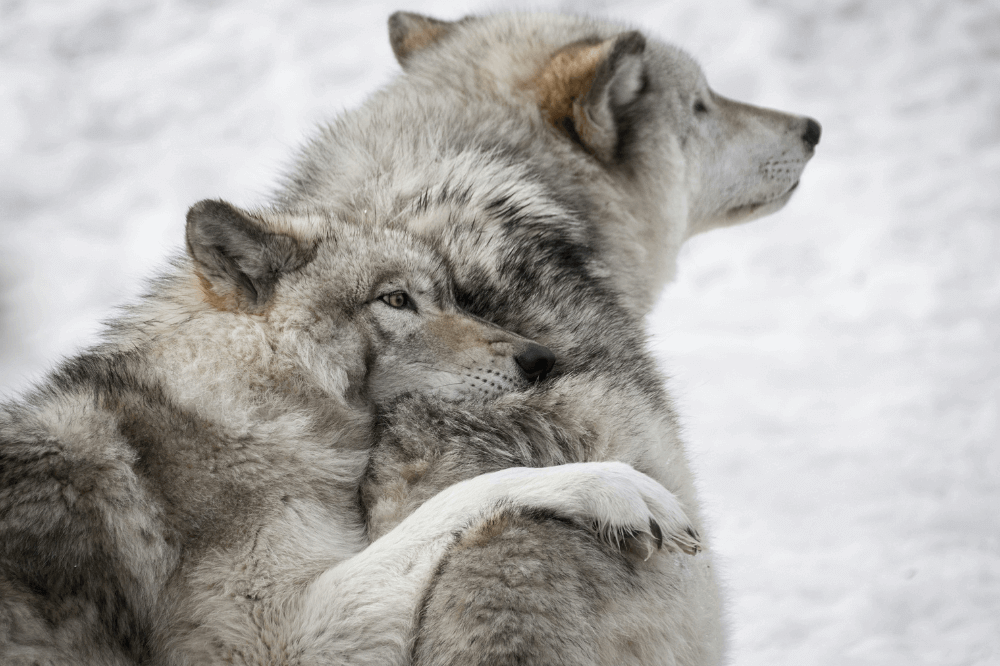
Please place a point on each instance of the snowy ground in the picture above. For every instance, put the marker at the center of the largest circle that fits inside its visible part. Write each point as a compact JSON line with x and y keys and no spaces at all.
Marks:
{"x":837,"y":365}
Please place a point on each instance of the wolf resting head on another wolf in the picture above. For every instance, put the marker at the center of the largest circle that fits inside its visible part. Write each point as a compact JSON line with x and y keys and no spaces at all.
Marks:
{"x":182,"y":492}
{"x":325,"y":438}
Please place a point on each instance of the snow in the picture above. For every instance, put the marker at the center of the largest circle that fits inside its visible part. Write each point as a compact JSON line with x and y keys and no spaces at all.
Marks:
{"x":837,"y":365}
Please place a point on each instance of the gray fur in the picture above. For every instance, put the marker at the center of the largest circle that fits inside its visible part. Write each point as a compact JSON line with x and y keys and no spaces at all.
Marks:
{"x":525,"y":231}
{"x":177,"y":494}
{"x":188,"y":491}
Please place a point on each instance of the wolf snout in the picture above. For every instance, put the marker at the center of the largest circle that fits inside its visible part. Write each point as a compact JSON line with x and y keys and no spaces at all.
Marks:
{"x":535,"y":361}
{"x":812,"y":133}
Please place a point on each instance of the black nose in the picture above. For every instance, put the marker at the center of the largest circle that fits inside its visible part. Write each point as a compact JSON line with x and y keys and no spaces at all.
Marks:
{"x":535,"y":361}
{"x":811,"y":135}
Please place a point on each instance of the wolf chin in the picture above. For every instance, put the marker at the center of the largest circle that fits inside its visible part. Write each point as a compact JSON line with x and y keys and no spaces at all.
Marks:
{"x":406,"y":414}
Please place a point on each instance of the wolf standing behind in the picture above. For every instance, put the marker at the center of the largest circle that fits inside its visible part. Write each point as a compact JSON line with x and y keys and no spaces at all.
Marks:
{"x":558,"y":163}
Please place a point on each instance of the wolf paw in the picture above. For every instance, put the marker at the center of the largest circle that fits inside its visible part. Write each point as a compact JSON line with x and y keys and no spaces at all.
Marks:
{"x":624,"y":507}
{"x":628,"y":497}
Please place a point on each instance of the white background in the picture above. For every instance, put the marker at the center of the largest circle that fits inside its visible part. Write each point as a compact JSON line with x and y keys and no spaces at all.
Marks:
{"x":837,"y":365}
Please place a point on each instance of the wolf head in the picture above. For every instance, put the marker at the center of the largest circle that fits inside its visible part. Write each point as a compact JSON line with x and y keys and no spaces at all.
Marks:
{"x":672,"y":154}
{"x":368,"y":312}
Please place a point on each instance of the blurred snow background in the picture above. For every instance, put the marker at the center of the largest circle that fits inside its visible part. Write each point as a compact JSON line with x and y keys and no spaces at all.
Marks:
{"x":837,"y":365}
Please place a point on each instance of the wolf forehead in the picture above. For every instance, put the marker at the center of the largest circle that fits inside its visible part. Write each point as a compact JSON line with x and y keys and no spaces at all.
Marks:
{"x":309,"y":250}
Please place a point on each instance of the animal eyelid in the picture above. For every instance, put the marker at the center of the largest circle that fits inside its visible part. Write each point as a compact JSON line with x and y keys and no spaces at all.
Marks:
{"x":398,"y":299}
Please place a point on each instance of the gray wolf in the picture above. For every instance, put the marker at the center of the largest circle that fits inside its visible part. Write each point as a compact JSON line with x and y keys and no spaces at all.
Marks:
{"x":187,"y":491}
{"x":249,"y":470}
{"x":558,"y":163}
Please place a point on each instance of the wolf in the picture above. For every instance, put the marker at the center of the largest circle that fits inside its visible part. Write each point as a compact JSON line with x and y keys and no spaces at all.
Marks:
{"x":186,"y":492}
{"x":558,"y":163}
{"x":267,"y":461}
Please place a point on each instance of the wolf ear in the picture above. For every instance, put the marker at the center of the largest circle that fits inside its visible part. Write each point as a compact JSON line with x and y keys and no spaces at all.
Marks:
{"x":586,"y":89}
{"x":409,"y":33}
{"x":238,"y":260}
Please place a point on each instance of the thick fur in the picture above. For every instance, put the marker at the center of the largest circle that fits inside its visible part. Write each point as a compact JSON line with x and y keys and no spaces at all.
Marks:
{"x":563,"y":116}
{"x":558,"y":163}
{"x":187,"y":492}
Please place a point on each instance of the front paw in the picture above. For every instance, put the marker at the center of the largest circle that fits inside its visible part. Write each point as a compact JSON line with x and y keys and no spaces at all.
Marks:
{"x":620,"y":505}
{"x":641,"y":514}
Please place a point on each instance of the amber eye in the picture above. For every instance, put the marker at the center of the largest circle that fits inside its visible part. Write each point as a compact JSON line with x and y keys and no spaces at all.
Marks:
{"x":397,"y":299}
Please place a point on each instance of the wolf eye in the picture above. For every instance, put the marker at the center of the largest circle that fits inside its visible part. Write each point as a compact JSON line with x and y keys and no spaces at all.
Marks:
{"x":699,"y":107}
{"x":397,"y":299}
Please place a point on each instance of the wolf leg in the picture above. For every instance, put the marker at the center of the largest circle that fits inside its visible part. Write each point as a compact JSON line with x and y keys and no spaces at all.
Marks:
{"x":534,"y":590}
{"x":519,"y":589}
{"x":363,"y":610}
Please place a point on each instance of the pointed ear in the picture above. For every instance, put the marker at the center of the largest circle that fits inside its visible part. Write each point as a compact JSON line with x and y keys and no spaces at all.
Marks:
{"x":410,"y":33}
{"x":586,"y":89}
{"x":238,"y":260}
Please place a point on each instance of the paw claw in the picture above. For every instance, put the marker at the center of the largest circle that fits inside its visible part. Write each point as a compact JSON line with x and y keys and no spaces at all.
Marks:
{"x":654,"y":529}
{"x":692,"y":544}
{"x":622,"y":506}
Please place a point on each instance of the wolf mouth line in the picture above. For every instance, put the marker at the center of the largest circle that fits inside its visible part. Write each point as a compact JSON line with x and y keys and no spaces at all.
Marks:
{"x":746,"y":209}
